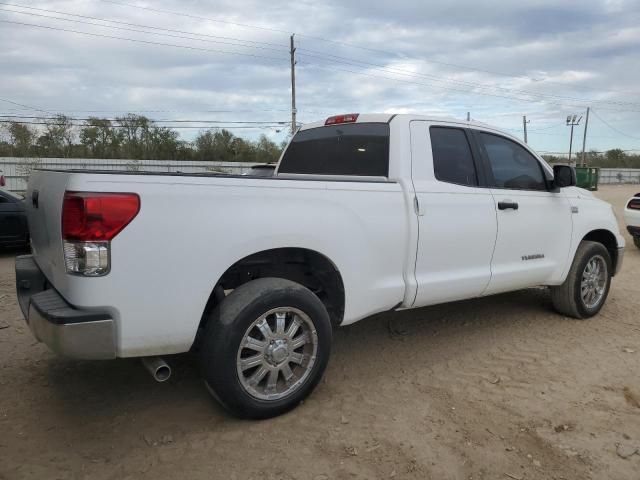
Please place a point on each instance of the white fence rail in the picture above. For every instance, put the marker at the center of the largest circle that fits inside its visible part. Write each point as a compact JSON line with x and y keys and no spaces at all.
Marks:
{"x":16,"y":170}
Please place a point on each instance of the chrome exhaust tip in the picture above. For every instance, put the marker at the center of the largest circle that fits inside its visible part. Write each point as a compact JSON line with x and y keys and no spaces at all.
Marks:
{"x":158,"y":368}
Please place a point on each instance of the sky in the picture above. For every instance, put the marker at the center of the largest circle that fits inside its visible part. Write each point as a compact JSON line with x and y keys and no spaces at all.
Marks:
{"x":228,"y":61}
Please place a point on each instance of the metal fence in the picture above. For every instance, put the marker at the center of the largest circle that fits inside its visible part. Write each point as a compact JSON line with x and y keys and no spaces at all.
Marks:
{"x":615,"y":176}
{"x":16,"y":170}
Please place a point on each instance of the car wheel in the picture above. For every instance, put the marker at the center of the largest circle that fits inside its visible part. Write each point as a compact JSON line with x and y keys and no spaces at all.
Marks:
{"x":265,"y":347}
{"x":586,"y":287}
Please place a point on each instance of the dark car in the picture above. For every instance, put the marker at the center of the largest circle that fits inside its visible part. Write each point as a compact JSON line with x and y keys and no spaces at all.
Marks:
{"x":266,"y":170}
{"x":14,"y":231}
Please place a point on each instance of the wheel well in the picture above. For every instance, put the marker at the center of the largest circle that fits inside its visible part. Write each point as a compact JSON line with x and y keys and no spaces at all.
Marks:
{"x":608,"y":239}
{"x":306,"y":267}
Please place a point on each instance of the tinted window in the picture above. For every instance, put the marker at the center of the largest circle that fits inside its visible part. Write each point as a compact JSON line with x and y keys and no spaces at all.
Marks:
{"x":349,"y":149}
{"x":452,"y":159}
{"x":512,"y":166}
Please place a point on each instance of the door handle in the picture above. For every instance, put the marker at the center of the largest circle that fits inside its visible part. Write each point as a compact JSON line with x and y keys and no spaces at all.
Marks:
{"x":504,"y":205}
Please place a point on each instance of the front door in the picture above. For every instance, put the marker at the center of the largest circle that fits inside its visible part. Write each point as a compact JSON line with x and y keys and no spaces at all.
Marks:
{"x":534,"y":223}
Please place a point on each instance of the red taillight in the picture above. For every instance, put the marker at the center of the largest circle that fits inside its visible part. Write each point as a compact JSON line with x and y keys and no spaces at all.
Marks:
{"x":2,"y":181}
{"x":634,"y":204}
{"x":348,"y":118}
{"x":92,"y":216}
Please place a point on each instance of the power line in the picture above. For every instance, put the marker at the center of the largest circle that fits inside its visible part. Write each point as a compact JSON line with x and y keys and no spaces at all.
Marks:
{"x":270,"y":122}
{"x":143,"y":26}
{"x":134,"y":111}
{"x":147,"y":42}
{"x":464,"y":67}
{"x":53,"y":110}
{"x":614,"y":128}
{"x":181,"y":14}
{"x":228,"y":127}
{"x":28,"y":107}
{"x":338,"y":42}
{"x":83,"y":22}
{"x":334,"y":58}
{"x":394,"y":70}
{"x":445,"y":87}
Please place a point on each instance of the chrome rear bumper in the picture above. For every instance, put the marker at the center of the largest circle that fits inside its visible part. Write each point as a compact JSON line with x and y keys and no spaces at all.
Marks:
{"x":68,"y":331}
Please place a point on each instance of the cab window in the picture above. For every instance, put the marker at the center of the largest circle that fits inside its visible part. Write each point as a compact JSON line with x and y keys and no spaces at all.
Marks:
{"x":452,"y":158}
{"x":347,"y":149}
{"x":512,"y":166}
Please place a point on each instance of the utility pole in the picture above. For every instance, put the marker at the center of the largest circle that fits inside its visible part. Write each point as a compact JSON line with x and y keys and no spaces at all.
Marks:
{"x":524,"y":126}
{"x":468,"y":116}
{"x":584,"y":140}
{"x":572,"y":122}
{"x":292,"y":52}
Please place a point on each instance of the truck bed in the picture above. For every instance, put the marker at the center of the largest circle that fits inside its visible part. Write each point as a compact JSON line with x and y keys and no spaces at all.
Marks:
{"x":191,"y":228}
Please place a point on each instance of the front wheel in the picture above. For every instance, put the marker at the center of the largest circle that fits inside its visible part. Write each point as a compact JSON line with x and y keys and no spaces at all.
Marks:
{"x":586,"y":288}
{"x":265,"y":347}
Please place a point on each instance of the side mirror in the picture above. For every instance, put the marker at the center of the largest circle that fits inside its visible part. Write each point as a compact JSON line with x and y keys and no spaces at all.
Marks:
{"x":564,"y":176}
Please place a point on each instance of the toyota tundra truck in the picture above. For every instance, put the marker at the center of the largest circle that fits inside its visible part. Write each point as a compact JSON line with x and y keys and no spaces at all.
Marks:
{"x":364,"y":214}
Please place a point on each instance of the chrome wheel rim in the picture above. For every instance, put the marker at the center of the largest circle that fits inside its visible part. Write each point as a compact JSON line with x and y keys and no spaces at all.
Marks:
{"x":277,"y":353}
{"x":594,"y":281}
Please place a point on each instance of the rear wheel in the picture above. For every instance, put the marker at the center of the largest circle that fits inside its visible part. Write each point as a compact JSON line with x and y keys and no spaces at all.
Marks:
{"x":265,"y":347}
{"x":586,"y":288}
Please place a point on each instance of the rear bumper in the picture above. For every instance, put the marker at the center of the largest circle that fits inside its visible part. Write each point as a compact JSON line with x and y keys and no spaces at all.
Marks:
{"x":69,"y":331}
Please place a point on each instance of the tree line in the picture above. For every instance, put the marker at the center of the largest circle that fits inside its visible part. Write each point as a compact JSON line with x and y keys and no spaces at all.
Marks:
{"x":131,"y":136}
{"x":136,"y":137}
{"x":614,"y":158}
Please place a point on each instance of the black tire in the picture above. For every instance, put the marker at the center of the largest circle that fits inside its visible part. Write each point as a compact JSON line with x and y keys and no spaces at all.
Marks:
{"x":226,"y":328}
{"x":636,"y":241}
{"x":567,"y":298}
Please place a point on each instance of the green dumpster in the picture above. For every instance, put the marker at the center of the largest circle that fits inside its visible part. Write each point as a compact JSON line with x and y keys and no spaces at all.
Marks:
{"x":587,"y":177}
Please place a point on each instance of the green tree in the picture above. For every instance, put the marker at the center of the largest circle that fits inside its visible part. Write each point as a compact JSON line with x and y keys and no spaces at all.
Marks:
{"x":215,"y":146}
{"x":615,"y":157}
{"x":161,"y":143}
{"x":100,"y":139}
{"x":266,"y":150}
{"x":134,"y":130}
{"x":58,"y":137}
{"x":21,"y":139}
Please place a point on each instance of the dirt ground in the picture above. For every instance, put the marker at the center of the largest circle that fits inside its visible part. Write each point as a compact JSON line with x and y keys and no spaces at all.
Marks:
{"x":493,"y":388}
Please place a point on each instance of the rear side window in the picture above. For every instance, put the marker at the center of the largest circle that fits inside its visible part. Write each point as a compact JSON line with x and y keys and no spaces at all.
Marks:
{"x":512,"y":166}
{"x":452,"y":159}
{"x":349,"y":149}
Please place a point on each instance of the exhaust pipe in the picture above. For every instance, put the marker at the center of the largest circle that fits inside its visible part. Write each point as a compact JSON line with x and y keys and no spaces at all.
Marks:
{"x":158,"y":368}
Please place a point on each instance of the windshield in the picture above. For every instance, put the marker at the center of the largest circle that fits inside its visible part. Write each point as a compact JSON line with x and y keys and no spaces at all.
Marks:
{"x":347,"y":149}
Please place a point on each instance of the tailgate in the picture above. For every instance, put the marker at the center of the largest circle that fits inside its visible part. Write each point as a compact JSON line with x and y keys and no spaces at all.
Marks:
{"x":43,"y":200}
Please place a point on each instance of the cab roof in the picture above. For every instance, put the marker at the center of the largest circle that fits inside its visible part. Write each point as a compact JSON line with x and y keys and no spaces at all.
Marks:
{"x":387,"y":117}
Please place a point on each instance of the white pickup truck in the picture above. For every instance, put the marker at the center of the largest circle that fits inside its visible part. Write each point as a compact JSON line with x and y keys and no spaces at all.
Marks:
{"x":365,"y":214}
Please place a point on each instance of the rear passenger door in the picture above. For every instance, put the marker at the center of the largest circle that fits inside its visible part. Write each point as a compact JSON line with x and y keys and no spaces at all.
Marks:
{"x":456,"y":215}
{"x":534,"y":223}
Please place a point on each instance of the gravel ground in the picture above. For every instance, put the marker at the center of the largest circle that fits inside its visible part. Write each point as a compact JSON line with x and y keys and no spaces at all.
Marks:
{"x":492,"y":388}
